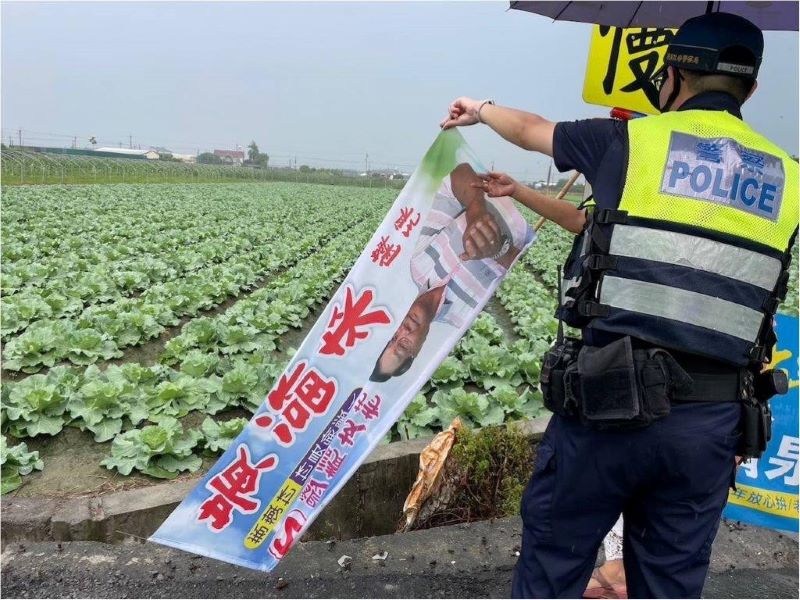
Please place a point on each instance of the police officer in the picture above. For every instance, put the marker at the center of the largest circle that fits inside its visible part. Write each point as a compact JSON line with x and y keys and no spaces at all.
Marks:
{"x":674,"y":282}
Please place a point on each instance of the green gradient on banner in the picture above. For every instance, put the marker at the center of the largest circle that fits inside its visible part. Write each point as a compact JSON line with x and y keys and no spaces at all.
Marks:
{"x":440,"y":158}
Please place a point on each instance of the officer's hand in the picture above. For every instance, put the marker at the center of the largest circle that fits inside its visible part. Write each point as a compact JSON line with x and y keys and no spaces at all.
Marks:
{"x":497,"y":184}
{"x":482,"y":237}
{"x":463,"y":111}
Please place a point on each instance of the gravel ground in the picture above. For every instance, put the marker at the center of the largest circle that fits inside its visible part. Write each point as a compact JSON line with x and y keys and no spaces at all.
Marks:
{"x":473,"y":561}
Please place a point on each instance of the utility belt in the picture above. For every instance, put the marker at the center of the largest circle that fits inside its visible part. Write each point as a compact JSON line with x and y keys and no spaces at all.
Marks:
{"x":619,"y":387}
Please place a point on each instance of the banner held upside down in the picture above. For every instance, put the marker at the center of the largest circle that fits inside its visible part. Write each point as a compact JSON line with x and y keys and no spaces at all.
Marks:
{"x":413,"y":292}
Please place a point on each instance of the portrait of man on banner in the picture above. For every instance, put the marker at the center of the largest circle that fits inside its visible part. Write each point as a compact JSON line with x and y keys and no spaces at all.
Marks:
{"x":466,"y":242}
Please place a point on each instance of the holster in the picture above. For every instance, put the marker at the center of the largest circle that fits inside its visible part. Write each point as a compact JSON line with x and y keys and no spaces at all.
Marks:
{"x":757,"y":389}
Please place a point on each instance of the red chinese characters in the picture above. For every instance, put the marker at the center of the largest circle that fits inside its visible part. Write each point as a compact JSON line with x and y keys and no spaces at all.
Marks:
{"x":405,"y":223}
{"x":234,"y":489}
{"x":348,"y":322}
{"x":369,"y":408}
{"x":313,"y":492}
{"x":384,"y":253}
{"x":292,"y":526}
{"x":349,"y":431}
{"x":331,"y":462}
{"x":264,"y":420}
{"x":299,"y":397}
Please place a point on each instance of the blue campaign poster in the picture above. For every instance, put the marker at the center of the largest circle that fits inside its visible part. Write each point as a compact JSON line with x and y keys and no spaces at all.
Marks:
{"x":767,"y":489}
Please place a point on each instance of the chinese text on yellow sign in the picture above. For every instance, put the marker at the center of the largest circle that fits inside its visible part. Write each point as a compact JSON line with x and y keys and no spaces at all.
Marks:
{"x":621,"y":66}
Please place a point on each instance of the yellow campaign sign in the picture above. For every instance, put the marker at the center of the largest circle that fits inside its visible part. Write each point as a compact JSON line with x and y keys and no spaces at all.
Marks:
{"x":272,"y":514}
{"x":621,"y":65}
{"x":769,"y":501}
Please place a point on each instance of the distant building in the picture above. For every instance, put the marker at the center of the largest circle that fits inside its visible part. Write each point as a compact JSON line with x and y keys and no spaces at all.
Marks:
{"x":387,"y":174}
{"x":129,"y":152}
{"x":187,"y":158}
{"x":230,"y":157}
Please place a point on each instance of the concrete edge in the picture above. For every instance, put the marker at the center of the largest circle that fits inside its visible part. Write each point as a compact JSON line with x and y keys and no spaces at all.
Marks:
{"x":137,"y":513}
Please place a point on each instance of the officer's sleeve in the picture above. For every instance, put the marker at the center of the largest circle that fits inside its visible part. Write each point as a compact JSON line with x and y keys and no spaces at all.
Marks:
{"x":581,"y":145}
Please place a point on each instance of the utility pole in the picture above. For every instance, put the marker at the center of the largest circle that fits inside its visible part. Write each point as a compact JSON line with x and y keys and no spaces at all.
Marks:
{"x":549,"y":168}
{"x":74,"y":141}
{"x":20,"y":136}
{"x":130,"y":141}
{"x":366,"y":163}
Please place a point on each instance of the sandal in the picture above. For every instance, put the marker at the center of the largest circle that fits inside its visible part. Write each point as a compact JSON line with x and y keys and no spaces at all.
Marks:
{"x":606,"y":589}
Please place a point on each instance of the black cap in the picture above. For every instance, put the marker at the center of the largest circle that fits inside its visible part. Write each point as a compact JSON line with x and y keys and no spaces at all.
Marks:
{"x":717,"y":42}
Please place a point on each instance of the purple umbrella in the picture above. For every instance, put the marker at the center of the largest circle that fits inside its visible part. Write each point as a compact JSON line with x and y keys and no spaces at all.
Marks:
{"x":773,"y":16}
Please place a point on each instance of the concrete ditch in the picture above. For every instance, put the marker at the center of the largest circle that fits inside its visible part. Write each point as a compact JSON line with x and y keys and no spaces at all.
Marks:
{"x":369,"y":504}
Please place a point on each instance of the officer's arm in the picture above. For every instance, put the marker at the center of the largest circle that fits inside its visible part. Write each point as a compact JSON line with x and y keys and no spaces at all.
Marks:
{"x":524,"y":129}
{"x":560,"y":212}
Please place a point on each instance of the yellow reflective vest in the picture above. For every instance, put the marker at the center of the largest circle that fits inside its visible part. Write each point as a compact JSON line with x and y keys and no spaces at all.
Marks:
{"x":696,"y":256}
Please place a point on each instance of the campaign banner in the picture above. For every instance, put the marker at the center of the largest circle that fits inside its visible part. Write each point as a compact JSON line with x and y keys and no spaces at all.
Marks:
{"x":425,"y":275}
{"x":767,"y":488}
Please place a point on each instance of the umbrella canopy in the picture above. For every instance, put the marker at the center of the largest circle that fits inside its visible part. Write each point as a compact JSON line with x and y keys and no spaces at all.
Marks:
{"x":771,"y":16}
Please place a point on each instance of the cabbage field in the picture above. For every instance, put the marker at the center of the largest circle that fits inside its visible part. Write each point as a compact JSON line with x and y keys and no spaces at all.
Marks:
{"x":150,"y":320}
{"x":154,"y":318}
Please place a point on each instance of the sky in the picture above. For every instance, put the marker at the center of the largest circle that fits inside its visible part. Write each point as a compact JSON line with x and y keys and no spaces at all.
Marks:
{"x":325,"y":84}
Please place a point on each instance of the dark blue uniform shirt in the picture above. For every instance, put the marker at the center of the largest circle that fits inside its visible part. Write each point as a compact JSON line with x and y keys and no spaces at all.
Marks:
{"x":598,"y":148}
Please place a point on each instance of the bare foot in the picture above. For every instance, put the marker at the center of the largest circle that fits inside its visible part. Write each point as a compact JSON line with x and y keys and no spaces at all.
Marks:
{"x":608,"y":581}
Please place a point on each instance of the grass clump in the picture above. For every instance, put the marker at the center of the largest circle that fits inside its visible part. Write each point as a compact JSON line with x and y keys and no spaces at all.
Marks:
{"x":484,"y":477}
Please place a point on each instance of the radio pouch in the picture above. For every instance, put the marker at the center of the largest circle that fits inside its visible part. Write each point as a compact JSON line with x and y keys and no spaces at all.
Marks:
{"x":557,"y":363}
{"x":608,"y":384}
{"x":756,"y":428}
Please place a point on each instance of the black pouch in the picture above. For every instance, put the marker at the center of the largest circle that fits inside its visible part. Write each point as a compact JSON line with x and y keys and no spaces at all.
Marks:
{"x":623,"y":388}
{"x":660,"y":376}
{"x":756,"y":428}
{"x":556,"y":362}
{"x":608,"y":388}
{"x":751,"y":444}
{"x":755,"y":390}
